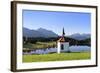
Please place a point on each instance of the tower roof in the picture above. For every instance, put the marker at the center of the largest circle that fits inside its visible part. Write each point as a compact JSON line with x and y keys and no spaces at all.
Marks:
{"x":62,"y":39}
{"x":63,"y":33}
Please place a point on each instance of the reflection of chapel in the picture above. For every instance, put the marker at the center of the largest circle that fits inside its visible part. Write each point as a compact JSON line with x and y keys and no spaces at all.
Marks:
{"x":62,"y":45}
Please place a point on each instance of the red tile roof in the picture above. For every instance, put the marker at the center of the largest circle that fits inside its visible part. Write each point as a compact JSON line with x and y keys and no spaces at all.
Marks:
{"x":62,"y":39}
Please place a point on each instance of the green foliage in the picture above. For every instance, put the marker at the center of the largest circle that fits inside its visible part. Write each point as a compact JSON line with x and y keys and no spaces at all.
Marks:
{"x":40,"y":45}
{"x":57,"y":57}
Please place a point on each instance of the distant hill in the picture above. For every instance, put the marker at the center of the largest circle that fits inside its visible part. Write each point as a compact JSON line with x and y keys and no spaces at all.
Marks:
{"x":44,"y":33}
{"x":39,"y":33}
{"x":80,"y":36}
{"x":47,"y":33}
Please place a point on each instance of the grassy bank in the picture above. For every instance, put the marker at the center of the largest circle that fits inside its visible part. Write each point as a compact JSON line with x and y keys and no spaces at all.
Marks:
{"x":56,"y":57}
{"x":39,"y":45}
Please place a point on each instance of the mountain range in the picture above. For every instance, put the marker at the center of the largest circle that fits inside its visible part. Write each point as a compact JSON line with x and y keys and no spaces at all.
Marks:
{"x":78,"y":36}
{"x":41,"y":32}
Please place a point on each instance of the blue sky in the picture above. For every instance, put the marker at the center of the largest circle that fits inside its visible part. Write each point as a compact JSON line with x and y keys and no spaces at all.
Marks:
{"x":73,"y":22}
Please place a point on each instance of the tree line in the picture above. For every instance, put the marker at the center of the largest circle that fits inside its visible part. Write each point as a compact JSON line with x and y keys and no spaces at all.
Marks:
{"x":51,"y":39}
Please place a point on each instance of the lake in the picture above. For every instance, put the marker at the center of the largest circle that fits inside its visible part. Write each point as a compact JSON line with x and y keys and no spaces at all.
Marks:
{"x":51,"y":50}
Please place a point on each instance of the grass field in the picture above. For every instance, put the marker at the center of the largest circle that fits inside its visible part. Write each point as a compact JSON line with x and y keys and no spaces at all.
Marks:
{"x":57,"y":57}
{"x":39,"y":45}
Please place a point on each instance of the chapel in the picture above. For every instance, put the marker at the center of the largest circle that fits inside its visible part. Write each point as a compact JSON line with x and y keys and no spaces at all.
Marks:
{"x":62,"y":45}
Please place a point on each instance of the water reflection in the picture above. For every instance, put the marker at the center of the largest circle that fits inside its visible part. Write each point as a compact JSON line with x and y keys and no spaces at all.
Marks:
{"x":52,"y":50}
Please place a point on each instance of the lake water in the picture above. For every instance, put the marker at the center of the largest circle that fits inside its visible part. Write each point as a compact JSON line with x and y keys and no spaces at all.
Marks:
{"x":50,"y":50}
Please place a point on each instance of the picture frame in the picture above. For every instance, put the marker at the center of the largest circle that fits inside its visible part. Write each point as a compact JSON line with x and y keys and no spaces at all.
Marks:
{"x":21,"y":12}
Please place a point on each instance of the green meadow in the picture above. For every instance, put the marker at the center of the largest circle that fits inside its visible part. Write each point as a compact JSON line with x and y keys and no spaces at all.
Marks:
{"x":57,"y":57}
{"x":38,"y":45}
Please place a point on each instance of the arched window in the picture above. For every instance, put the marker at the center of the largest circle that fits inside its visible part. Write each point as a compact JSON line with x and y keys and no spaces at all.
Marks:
{"x":62,"y":47}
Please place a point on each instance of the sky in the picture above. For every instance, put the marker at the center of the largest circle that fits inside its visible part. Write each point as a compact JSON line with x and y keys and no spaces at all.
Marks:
{"x":72,"y":22}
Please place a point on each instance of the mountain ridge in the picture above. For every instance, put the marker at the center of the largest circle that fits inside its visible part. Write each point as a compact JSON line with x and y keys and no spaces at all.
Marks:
{"x":38,"y":33}
{"x":78,"y":36}
{"x":41,"y":32}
